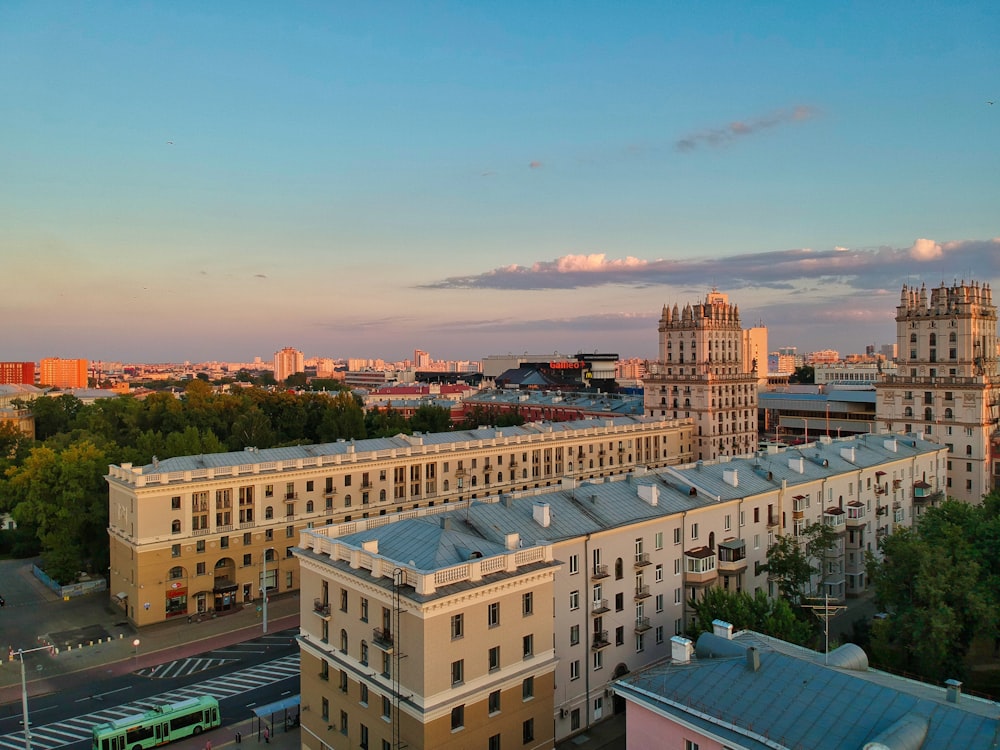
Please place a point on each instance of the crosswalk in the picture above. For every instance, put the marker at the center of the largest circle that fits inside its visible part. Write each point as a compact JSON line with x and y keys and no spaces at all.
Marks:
{"x":182,"y":667}
{"x":77,"y":729}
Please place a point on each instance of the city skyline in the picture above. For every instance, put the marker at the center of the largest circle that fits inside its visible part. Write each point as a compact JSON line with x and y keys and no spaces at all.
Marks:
{"x":188,"y":183}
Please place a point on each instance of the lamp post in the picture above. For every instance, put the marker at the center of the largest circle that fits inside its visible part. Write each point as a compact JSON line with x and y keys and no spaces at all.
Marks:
{"x":24,"y":693}
{"x":135,"y":658}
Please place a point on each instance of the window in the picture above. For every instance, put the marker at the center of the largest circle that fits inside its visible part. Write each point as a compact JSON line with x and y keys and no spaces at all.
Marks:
{"x":200,"y":546}
{"x":526,"y":603}
{"x":175,"y":503}
{"x":457,"y":718}
{"x":175,"y":550}
{"x":659,"y":634}
{"x":175,"y":527}
{"x":364,"y":653}
{"x":694,"y":531}
{"x":690,"y":745}
{"x":574,"y":600}
{"x":574,"y":669}
{"x":574,"y":635}
{"x":289,"y":532}
{"x":659,"y":573}
{"x":493,"y":614}
{"x":325,"y":709}
{"x":494,"y":702}
{"x":343,"y":682}
{"x":677,"y":566}
{"x":200,"y":569}
{"x":619,"y":635}
{"x":364,"y":694}
{"x":343,"y":722}
{"x":574,"y":564}
{"x":528,"y":731}
{"x":677,"y":536}
{"x":343,"y":600}
{"x":457,"y":626}
{"x":659,"y":602}
{"x":494,"y":742}
{"x":619,"y":602}
{"x":386,"y":707}
{"x":677,"y":596}
{"x":527,"y":688}
{"x":528,"y":645}
{"x":598,"y":659}
{"x":658,"y":540}
{"x":494,"y":660}
{"x":457,"y":671}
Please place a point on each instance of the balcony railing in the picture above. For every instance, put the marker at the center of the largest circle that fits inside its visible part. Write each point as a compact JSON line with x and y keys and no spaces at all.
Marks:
{"x":291,"y":496}
{"x":641,"y":624}
{"x":642,"y":592}
{"x":600,"y":607}
{"x":773,"y":520}
{"x":599,"y":571}
{"x":641,"y":559}
{"x":600,"y":640}
{"x":321,"y":608}
{"x":383,"y":639}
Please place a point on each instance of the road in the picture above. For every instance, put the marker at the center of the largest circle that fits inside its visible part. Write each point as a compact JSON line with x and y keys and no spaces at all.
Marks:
{"x":253,"y":673}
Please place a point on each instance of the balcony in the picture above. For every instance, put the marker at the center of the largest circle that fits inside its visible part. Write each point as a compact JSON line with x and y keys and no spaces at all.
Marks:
{"x":732,"y":556}
{"x":924,"y":493}
{"x":642,"y":592}
{"x":835,"y":518}
{"x":291,"y":496}
{"x":700,"y":567}
{"x":855,"y":514}
{"x":773,"y":520}
{"x":641,"y":559}
{"x":600,"y":640}
{"x":641,"y":624}
{"x":383,"y":639}
{"x":329,"y":492}
{"x":598,"y":572}
{"x":600,"y":606}
{"x":321,"y":608}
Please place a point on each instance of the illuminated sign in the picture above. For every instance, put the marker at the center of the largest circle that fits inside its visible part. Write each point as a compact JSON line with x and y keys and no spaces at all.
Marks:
{"x":567,"y":365}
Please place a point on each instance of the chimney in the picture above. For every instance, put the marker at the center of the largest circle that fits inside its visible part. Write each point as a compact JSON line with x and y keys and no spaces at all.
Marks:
{"x":370,"y":546}
{"x":722,"y":629}
{"x":446,"y":523}
{"x":512,"y":541}
{"x":650,"y":493}
{"x":954,"y":690}
{"x":889,"y":445}
{"x":731,"y":477}
{"x":847,"y":454}
{"x":540,"y":512}
{"x":753,"y":659}
{"x":797,"y":464}
{"x":681,"y":649}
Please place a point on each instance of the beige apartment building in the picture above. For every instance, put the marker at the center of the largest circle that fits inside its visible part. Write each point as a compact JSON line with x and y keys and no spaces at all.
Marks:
{"x":946,"y":381}
{"x":197,"y":533}
{"x":631,"y":553}
{"x":705,"y":373}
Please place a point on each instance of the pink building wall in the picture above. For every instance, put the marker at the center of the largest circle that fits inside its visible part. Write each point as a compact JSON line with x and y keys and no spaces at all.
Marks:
{"x":645,"y":729}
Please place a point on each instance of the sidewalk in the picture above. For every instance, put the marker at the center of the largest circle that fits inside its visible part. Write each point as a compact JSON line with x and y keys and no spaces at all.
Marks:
{"x":86,"y":662}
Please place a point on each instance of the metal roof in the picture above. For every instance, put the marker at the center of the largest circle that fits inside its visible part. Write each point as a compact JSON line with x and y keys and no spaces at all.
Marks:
{"x":794,"y":700}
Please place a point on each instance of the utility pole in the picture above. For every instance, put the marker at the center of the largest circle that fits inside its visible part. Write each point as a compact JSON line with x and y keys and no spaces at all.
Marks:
{"x":24,"y":692}
{"x":263,"y":586}
{"x":825,"y":611}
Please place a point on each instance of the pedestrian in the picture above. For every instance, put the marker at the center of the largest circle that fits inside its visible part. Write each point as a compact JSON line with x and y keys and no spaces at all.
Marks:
{"x":267,"y":737}
{"x":239,"y":738}
{"x":208,"y":744}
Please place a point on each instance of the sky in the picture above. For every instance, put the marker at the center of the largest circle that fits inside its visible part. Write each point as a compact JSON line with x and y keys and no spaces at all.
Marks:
{"x":215,"y":181}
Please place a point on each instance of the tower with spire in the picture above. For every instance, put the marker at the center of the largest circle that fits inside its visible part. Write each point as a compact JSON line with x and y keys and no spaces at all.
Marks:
{"x":703,"y":374}
{"x":946,"y":381}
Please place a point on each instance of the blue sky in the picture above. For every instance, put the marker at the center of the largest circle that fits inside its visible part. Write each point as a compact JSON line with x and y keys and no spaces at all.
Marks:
{"x":190,"y":181}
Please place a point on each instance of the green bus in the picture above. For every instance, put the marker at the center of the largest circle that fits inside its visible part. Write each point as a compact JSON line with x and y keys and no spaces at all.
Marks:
{"x":158,"y":726}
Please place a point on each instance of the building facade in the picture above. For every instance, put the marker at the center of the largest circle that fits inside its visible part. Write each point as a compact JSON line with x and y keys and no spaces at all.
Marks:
{"x":197,"y":533}
{"x":633,"y":552}
{"x":63,"y":373}
{"x":17,"y":373}
{"x":288,"y":361}
{"x":946,"y":381}
{"x":703,"y":374}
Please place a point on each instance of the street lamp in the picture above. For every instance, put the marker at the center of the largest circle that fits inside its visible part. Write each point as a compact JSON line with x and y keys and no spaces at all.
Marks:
{"x":24,"y":693}
{"x":135,"y":644}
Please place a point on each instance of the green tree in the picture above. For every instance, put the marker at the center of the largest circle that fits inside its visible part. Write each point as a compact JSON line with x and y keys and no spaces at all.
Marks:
{"x":805,"y":374}
{"x":430,"y":418}
{"x":744,"y":611}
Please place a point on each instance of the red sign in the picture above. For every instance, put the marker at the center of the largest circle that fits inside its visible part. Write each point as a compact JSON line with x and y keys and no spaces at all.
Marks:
{"x":566,"y":365}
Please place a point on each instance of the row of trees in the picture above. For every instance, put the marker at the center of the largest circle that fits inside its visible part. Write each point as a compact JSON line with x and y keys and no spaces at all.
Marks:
{"x":54,"y":486}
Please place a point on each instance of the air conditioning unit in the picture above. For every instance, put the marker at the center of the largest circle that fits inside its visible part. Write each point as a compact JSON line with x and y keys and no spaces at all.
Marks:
{"x":562,"y":713}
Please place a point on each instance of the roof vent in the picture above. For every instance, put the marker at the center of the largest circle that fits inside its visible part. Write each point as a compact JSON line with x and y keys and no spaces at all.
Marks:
{"x":753,"y":659}
{"x":723,"y":629}
{"x":954,"y":690}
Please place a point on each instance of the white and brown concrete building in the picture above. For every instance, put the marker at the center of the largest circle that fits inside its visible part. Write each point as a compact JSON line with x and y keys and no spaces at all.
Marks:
{"x":189,"y":534}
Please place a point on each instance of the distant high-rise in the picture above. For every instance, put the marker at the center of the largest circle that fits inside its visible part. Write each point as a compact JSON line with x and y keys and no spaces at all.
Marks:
{"x":946,"y":381}
{"x":288,"y":362}
{"x":17,"y":373}
{"x":702,"y":374}
{"x":63,"y":373}
{"x":421,"y":359}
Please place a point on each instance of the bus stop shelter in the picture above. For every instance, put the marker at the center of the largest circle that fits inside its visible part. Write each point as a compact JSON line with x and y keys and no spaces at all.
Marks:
{"x":288,"y":707}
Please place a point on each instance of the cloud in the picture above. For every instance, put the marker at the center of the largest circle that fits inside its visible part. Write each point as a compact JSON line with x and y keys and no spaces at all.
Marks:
{"x":869,"y":269}
{"x":534,"y":165}
{"x":925,"y":250}
{"x":716,"y":137}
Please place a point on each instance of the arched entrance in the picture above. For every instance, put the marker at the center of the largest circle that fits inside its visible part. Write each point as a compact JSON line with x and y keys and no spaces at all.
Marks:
{"x":619,"y":703}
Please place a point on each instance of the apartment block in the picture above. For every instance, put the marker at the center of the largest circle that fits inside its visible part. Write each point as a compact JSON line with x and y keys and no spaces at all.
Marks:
{"x":945,"y":385}
{"x":17,"y":373}
{"x":190,"y":534}
{"x":63,"y":373}
{"x":287,"y":362}
{"x":628,"y":554}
